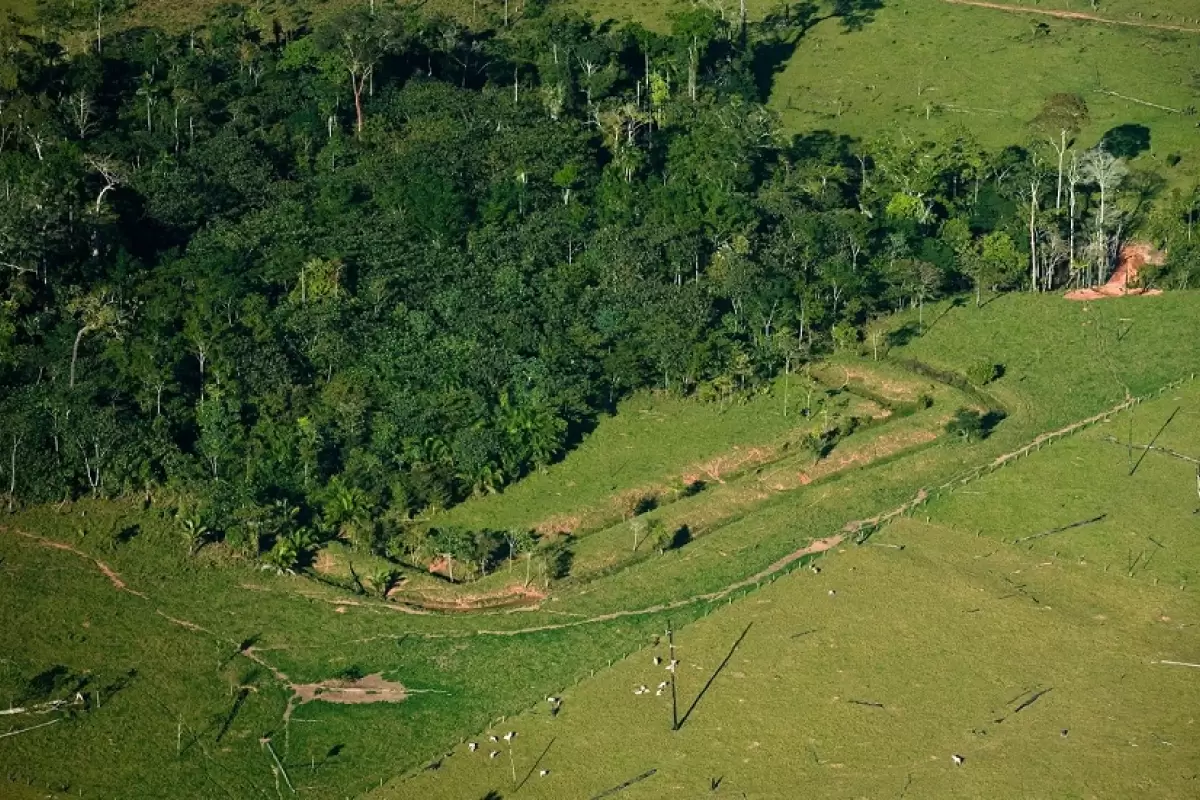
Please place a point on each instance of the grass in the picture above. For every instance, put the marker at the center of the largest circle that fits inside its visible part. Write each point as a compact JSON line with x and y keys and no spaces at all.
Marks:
{"x":1063,"y":362}
{"x":915,"y":631}
{"x":928,"y":68}
{"x":1149,"y":529}
{"x":636,"y":455}
{"x":169,"y":674}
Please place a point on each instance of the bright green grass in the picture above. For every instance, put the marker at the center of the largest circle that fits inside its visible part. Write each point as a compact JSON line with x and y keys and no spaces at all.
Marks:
{"x":926,"y":56}
{"x":933,"y":634}
{"x":1150,"y":529}
{"x":1167,"y":12}
{"x":645,"y":449}
{"x":1065,"y":361}
{"x":919,"y":630}
{"x":59,"y":610}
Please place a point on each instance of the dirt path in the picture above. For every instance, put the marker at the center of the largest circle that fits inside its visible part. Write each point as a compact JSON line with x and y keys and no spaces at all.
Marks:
{"x":104,"y":568}
{"x":1073,"y":15}
{"x":1133,"y":258}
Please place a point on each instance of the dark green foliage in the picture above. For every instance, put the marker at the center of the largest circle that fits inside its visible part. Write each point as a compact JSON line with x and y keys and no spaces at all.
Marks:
{"x":325,"y":307}
{"x":982,"y":372}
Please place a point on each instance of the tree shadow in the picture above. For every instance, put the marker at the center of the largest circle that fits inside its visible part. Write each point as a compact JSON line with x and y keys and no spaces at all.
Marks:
{"x":903,"y":335}
{"x":536,"y":764}
{"x":989,"y":421}
{"x":780,"y":33}
{"x":770,"y":59}
{"x":127,"y":534}
{"x":957,"y":302}
{"x":238,"y":702}
{"x":1126,"y":141}
{"x":712,"y":678}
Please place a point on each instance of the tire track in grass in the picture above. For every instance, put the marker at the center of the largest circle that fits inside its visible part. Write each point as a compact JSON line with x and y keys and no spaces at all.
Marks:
{"x":108,"y":571}
{"x":1078,"y":16}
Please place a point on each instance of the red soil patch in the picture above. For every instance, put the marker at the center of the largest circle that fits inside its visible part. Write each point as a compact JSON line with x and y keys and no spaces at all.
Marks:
{"x":370,"y":689}
{"x":104,"y":568}
{"x":1133,"y":258}
{"x":1075,"y":15}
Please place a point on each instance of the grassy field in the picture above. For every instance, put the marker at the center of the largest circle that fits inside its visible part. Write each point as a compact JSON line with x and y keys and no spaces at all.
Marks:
{"x":631,"y":457}
{"x":182,"y":708}
{"x":865,"y":679}
{"x":927,"y":68}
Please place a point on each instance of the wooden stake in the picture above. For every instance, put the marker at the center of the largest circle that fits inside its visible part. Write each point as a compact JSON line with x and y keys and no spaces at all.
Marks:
{"x":671,"y":660}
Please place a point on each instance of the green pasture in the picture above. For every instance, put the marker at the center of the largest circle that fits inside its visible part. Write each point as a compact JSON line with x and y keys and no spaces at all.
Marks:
{"x":1043,"y":670}
{"x":927,"y":68}
{"x":167,"y":691}
{"x":1062,"y":360}
{"x":647,"y":449}
{"x":1149,"y":526}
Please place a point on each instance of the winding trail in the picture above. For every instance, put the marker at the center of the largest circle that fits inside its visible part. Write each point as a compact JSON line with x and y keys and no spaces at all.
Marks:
{"x":815,"y":547}
{"x":104,"y":568}
{"x":1072,"y":15}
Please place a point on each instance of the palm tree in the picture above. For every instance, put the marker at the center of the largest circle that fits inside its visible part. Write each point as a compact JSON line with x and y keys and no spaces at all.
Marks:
{"x":195,"y":533}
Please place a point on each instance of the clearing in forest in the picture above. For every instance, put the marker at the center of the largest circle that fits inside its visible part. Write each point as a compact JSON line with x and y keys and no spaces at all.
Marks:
{"x":879,"y":673}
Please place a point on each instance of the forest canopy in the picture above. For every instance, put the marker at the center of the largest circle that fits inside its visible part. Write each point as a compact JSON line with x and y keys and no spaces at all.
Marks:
{"x":324,"y":277}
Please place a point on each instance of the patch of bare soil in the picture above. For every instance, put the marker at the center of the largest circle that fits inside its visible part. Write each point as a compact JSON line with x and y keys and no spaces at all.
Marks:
{"x":735,"y":461}
{"x":894,"y":389}
{"x":1124,"y":281}
{"x":516,"y":596}
{"x":369,"y":689}
{"x":105,"y":569}
{"x":738,"y":498}
{"x":560,"y":523}
{"x":1076,"y":15}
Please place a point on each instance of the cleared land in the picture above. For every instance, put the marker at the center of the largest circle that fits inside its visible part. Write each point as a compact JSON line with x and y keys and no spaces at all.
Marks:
{"x":195,"y":658}
{"x":865,"y":679}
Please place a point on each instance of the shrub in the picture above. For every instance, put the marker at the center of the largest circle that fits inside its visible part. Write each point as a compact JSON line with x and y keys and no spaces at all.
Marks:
{"x":967,"y":424}
{"x":983,"y":372}
{"x":820,"y":443}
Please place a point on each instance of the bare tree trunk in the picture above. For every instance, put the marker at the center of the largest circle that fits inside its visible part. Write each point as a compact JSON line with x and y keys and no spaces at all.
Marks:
{"x":12,"y":472}
{"x":1062,"y":153}
{"x":357,"y":86}
{"x":693,"y":68}
{"x":1033,"y":207}
{"x":75,"y":355}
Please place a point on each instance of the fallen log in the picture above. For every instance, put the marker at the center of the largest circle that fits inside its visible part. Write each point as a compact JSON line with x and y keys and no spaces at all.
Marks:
{"x":1063,"y":529}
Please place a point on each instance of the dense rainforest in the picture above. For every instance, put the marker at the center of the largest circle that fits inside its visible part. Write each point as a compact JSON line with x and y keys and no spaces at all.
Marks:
{"x":322,"y":277}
